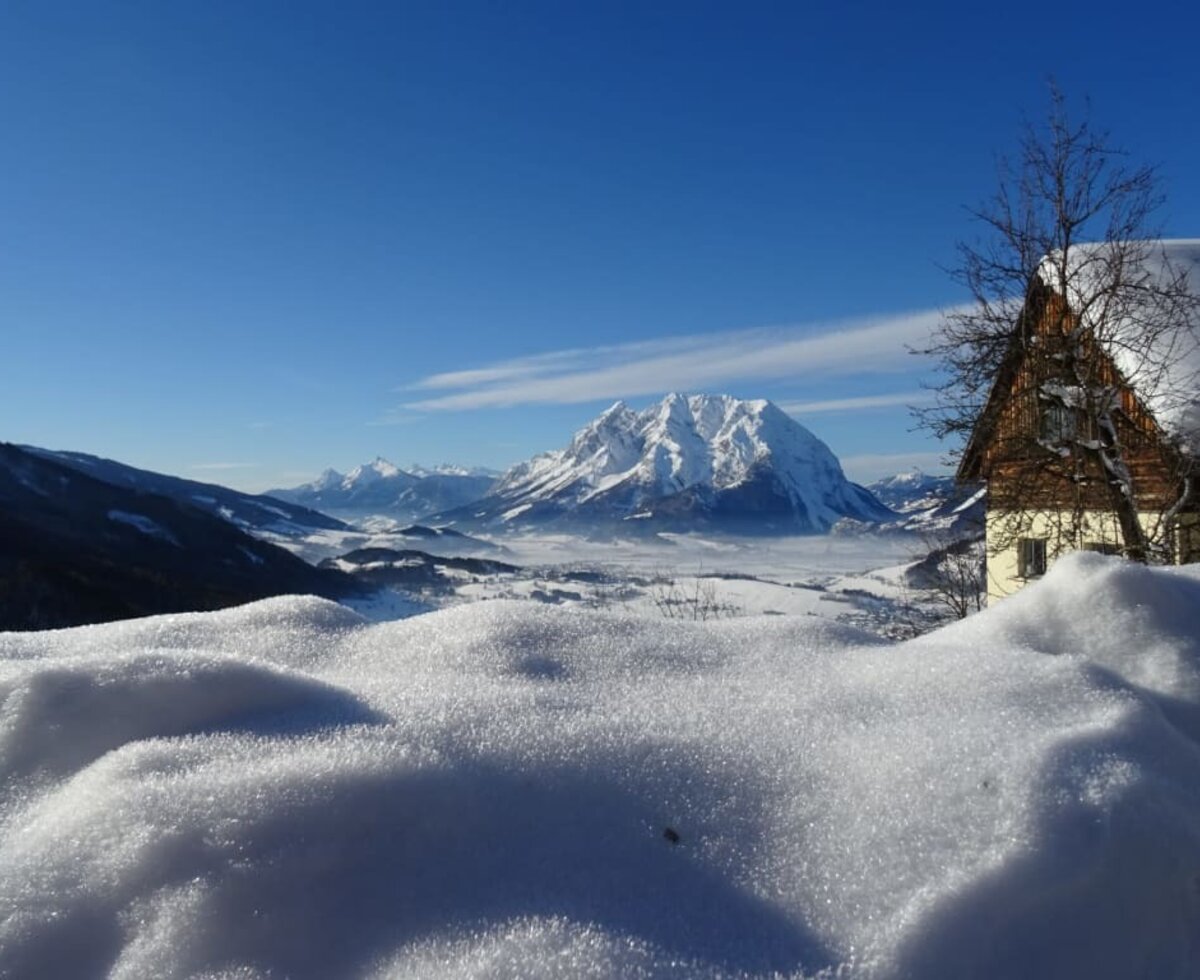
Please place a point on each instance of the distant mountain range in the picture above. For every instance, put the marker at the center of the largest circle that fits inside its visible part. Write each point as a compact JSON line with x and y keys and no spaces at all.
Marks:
{"x":76,"y":549}
{"x":689,"y":461}
{"x":930,"y":505}
{"x":382,"y":488}
{"x":913,"y":491}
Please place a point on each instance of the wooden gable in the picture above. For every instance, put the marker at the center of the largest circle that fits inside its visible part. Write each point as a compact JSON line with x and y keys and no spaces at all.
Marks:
{"x":1004,"y":449}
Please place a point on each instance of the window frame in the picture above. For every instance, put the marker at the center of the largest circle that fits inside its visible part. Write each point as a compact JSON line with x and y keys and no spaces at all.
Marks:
{"x":1058,"y":424}
{"x":1031,"y":557}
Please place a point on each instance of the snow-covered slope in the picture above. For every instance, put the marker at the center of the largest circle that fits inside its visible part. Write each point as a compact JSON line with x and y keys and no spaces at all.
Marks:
{"x":251,"y":512}
{"x":508,"y":790}
{"x":382,"y":488}
{"x":687,"y":460}
{"x":75,"y":548}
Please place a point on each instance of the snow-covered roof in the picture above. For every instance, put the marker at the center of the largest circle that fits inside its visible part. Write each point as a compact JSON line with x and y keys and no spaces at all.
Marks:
{"x":1162,"y":365}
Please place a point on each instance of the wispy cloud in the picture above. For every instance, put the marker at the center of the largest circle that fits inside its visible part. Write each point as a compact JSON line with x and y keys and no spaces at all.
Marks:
{"x":903,"y":398}
{"x":864,"y":346}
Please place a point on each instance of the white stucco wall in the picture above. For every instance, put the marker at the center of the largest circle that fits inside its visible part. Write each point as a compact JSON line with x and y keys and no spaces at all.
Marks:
{"x":1056,"y":527}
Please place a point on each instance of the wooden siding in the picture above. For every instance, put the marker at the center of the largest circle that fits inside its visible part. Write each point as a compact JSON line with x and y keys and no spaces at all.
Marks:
{"x":1022,"y":474}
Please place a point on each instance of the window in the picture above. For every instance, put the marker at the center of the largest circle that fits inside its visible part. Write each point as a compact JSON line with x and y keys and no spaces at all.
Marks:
{"x":1103,"y":547}
{"x":1031,"y":557}
{"x":1059,"y":423}
{"x":1188,"y":536}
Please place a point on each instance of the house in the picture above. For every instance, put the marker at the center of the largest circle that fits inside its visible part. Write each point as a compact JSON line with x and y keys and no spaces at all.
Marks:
{"x":1090,"y":432}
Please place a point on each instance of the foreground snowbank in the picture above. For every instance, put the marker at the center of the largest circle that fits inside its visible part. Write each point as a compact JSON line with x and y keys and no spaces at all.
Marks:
{"x":285,"y":790}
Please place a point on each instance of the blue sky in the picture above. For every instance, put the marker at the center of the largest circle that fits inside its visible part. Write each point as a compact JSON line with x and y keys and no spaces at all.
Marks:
{"x":246,"y":241}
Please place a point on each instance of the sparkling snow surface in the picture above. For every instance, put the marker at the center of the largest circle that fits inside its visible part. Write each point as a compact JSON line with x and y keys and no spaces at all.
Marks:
{"x":285,"y":790}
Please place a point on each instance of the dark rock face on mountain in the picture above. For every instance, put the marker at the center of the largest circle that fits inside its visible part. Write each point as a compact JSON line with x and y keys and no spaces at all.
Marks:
{"x":257,"y":512}
{"x":688,"y":462}
{"x":75,"y":550}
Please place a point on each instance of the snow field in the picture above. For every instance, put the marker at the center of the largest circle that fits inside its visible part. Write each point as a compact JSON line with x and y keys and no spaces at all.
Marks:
{"x":286,"y":790}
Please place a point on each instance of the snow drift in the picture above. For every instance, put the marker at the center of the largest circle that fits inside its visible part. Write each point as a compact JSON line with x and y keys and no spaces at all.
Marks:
{"x":513,"y":790}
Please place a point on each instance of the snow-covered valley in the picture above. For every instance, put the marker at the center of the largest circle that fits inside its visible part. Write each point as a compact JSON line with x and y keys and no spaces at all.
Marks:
{"x":507,"y":789}
{"x":856,"y":579}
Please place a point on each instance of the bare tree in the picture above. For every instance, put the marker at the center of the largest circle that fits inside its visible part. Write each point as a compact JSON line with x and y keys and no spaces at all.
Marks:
{"x":701,"y":603}
{"x":1070,"y":283}
{"x":952,"y":573}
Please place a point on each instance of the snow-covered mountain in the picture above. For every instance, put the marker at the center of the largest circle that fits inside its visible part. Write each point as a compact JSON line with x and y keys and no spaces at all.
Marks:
{"x":913,"y":490}
{"x":686,"y":462}
{"x":925,"y":505}
{"x":380,"y":487}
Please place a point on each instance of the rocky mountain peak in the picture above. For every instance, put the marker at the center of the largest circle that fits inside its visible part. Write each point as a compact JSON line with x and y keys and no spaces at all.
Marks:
{"x":693,"y":451}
